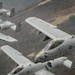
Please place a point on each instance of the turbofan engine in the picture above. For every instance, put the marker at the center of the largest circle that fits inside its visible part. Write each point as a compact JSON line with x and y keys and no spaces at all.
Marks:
{"x":56,"y":62}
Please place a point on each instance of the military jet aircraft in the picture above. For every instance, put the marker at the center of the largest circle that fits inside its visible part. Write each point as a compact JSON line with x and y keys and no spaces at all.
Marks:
{"x":62,"y":43}
{"x":4,"y":25}
{"x":27,"y":67}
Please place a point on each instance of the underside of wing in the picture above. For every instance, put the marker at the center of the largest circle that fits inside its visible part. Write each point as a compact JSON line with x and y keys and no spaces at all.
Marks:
{"x":15,"y":55}
{"x":48,"y":29}
{"x":44,"y":72}
{"x":7,"y":38}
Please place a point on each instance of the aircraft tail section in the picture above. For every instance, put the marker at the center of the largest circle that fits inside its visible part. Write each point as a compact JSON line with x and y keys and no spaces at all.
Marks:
{"x":1,"y":5}
{"x":17,"y":27}
{"x":11,"y":13}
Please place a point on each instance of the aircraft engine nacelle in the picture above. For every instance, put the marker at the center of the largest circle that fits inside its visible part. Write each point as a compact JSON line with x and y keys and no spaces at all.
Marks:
{"x":4,"y":27}
{"x":56,"y":62}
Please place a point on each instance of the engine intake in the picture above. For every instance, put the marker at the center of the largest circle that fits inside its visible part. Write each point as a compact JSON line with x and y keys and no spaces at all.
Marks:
{"x":56,"y":62}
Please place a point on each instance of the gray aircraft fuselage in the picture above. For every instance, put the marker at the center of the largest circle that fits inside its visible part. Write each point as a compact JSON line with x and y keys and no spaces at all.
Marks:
{"x":32,"y":69}
{"x":65,"y":47}
{"x":28,"y":69}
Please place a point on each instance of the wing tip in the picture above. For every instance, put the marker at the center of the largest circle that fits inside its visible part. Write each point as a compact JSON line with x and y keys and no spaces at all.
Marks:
{"x":26,"y":20}
{"x":14,"y":40}
{"x":4,"y":46}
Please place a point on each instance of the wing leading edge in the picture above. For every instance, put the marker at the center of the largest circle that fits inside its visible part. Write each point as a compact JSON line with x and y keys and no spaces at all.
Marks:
{"x":47,"y":28}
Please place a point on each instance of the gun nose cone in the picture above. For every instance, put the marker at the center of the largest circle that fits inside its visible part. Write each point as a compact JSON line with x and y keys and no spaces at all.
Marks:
{"x":39,"y":56}
{"x":36,"y":59}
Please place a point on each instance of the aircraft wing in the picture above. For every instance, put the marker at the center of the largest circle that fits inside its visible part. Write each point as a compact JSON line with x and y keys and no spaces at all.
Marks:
{"x":48,"y":29}
{"x":44,"y":72}
{"x":7,"y":38}
{"x":15,"y":55}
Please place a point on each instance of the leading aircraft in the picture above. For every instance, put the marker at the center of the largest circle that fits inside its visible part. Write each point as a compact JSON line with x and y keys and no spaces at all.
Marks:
{"x":27,"y":67}
{"x":62,"y":43}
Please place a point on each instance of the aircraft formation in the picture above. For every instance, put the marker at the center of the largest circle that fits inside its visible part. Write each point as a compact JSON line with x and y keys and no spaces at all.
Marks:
{"x":54,"y":54}
{"x":5,"y":24}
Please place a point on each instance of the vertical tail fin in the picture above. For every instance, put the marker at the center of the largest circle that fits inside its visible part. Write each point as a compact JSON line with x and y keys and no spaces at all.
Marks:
{"x":18,"y":27}
{"x":1,"y":5}
{"x":12,"y":12}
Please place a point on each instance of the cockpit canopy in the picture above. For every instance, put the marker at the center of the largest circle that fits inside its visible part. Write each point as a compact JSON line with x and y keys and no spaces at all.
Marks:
{"x":56,"y":44}
{"x":18,"y":69}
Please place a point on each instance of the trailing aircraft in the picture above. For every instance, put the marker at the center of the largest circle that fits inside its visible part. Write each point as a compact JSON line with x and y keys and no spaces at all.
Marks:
{"x":62,"y":43}
{"x":4,"y":25}
{"x":27,"y":67}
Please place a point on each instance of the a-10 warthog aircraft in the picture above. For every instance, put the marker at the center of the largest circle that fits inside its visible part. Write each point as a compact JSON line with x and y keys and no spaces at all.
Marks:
{"x":27,"y":67}
{"x":62,"y":43}
{"x":5,"y":24}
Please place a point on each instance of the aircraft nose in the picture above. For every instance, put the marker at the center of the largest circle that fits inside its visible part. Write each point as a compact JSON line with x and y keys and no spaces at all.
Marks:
{"x":39,"y":59}
{"x":36,"y":60}
{"x":40,"y":56}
